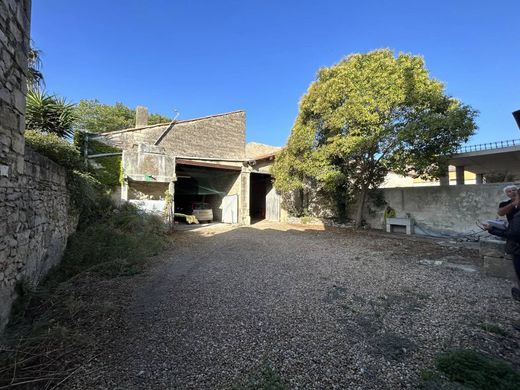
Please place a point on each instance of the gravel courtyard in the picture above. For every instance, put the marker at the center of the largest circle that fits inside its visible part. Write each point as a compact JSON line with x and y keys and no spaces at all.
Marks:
{"x":231,"y":307}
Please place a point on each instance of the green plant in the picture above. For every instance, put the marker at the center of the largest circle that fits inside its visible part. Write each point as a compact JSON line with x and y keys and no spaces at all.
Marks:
{"x":89,"y":197}
{"x":49,"y":114}
{"x":492,"y":328}
{"x":56,"y":148}
{"x":306,"y":220}
{"x":96,"y":117}
{"x":107,"y":170}
{"x":117,"y":244}
{"x":478,"y":371}
{"x":265,"y":378}
{"x":369,"y":114}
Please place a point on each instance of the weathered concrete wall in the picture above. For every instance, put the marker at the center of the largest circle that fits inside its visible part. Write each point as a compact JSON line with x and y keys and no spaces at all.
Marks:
{"x":143,"y":190}
{"x":217,"y":136}
{"x":145,"y":162}
{"x":444,"y":209}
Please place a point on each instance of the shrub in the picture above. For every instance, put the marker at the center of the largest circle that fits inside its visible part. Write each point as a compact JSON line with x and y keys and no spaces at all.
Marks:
{"x":478,"y":371}
{"x":117,"y":244}
{"x":49,"y":114}
{"x":89,"y":197}
{"x":55,"y":148}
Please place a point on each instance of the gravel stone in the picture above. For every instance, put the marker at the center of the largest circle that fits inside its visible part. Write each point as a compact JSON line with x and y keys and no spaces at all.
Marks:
{"x":315,"y":307}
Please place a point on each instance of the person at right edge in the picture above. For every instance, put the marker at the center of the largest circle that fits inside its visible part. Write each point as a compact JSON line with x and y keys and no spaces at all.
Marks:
{"x":512,"y":235}
{"x":508,"y":207}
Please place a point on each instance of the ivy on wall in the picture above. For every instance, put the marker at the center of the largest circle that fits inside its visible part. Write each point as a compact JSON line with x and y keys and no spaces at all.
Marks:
{"x":107,"y":170}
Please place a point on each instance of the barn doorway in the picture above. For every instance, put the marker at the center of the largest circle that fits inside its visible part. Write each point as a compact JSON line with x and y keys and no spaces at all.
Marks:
{"x":259,"y":199}
{"x":207,"y":184}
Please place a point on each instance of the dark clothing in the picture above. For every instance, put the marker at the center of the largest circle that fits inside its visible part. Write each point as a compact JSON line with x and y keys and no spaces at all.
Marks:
{"x":512,"y":213}
{"x":512,"y":233}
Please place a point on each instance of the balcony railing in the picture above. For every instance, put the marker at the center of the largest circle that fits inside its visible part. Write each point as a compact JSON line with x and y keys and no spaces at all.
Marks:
{"x":489,"y":146}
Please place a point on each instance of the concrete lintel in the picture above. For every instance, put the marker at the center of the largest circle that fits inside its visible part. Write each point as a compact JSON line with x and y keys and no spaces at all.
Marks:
{"x":155,"y":179}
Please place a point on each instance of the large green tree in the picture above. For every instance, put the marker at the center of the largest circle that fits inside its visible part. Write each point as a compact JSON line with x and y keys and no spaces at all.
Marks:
{"x":365,"y":116}
{"x":96,"y":117}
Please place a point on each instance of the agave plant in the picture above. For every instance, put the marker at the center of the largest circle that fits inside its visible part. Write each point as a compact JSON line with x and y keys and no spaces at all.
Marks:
{"x":49,"y":114}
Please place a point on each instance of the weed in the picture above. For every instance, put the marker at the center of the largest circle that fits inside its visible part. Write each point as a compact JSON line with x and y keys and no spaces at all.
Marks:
{"x":45,"y":340}
{"x":492,"y":328}
{"x":477,"y":371}
{"x":265,"y":378}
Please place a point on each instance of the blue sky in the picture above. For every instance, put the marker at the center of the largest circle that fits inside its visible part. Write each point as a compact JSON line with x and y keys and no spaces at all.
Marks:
{"x":208,"y":57}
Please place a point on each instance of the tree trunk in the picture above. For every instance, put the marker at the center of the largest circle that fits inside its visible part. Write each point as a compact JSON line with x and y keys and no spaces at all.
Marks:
{"x":361,"y":206}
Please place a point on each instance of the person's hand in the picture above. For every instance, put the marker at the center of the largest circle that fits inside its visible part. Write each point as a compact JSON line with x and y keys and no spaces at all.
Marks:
{"x":485,"y":226}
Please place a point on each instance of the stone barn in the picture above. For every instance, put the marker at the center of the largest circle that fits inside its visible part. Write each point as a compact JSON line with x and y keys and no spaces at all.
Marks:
{"x":197,"y":160}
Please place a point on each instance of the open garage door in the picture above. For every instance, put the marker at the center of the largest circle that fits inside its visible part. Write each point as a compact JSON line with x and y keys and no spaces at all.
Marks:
{"x":209,"y":185}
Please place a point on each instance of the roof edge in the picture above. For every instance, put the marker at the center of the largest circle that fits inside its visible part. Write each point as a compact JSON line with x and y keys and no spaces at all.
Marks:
{"x":167,"y":123}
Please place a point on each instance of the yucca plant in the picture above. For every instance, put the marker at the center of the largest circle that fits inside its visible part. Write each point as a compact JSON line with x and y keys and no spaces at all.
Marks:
{"x":49,"y":114}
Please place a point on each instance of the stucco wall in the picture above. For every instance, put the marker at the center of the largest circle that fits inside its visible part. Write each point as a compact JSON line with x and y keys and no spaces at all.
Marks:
{"x":441,"y":208}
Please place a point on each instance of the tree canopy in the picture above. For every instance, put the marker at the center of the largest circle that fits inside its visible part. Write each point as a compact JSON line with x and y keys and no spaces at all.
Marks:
{"x":96,"y":117}
{"x":365,"y":116}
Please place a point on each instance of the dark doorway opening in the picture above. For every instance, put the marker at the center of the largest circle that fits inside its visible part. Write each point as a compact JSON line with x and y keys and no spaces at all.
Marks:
{"x":260,"y":185}
{"x":203,"y":184}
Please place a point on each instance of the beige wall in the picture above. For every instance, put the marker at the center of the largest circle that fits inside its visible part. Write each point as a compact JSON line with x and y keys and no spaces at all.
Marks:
{"x":218,"y":136}
{"x":449,"y":209}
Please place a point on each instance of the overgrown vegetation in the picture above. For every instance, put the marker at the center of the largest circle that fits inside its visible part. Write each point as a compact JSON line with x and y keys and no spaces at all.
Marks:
{"x":51,"y":333}
{"x":470,"y":370}
{"x":89,"y":196}
{"x":48,"y":330}
{"x":55,"y":148}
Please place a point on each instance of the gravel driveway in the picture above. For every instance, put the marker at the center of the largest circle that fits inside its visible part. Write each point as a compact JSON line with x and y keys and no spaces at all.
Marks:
{"x":240,"y":307}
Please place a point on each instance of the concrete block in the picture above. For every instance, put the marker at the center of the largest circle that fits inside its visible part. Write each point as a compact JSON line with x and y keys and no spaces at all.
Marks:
{"x":498,"y":267}
{"x":492,"y":248}
{"x":407,"y":223}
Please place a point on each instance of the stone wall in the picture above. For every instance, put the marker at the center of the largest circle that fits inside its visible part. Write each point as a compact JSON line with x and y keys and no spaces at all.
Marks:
{"x":216,"y":136}
{"x":14,"y":45}
{"x":35,"y":219}
{"x":440,"y":209}
{"x":37,"y":222}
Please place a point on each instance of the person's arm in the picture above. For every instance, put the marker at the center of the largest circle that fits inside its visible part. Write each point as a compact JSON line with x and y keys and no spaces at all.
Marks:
{"x":513,"y":233}
{"x":506,"y":209}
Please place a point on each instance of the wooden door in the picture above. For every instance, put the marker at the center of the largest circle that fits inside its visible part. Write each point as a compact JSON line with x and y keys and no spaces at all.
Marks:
{"x":272,"y":205}
{"x":230,"y":209}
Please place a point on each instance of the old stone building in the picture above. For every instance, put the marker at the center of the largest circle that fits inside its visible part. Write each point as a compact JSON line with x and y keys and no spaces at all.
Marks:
{"x":198,"y":160}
